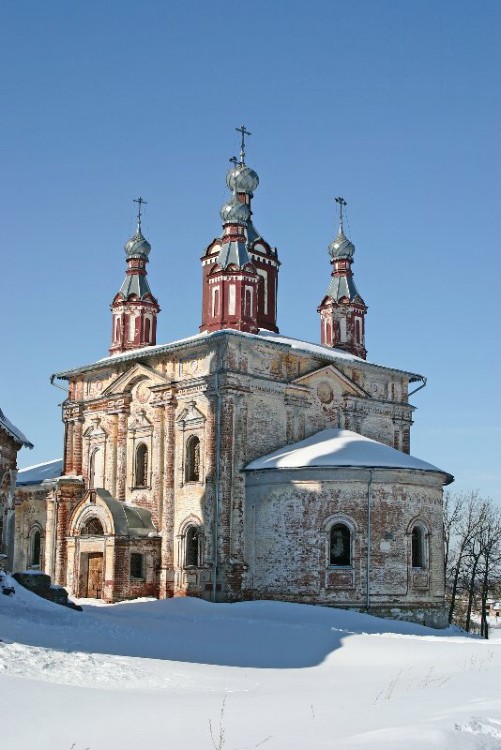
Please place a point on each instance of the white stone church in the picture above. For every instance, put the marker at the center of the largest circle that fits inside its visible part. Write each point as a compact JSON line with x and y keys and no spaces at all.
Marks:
{"x":240,"y":463}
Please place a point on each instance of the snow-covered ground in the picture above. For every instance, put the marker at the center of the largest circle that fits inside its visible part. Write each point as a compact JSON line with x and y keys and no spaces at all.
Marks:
{"x":150,"y":675}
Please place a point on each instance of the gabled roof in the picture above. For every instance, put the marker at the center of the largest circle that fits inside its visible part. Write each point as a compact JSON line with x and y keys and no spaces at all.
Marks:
{"x":335,"y":448}
{"x":318,"y":350}
{"x":331,"y":371}
{"x":13,"y":431}
{"x":39,"y":472}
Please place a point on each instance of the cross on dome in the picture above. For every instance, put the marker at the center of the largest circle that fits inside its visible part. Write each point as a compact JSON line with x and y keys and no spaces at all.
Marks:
{"x":243,"y":132}
{"x":341,"y":203}
{"x":140,"y":202}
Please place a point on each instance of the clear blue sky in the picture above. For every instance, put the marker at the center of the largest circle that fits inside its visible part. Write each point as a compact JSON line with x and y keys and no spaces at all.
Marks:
{"x":395,"y":105}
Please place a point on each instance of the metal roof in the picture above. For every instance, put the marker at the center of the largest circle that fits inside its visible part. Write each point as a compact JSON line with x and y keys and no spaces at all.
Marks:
{"x":233,"y":253}
{"x":317,"y":350}
{"x":13,"y":431}
{"x":39,"y":473}
{"x":135,"y":284}
{"x":343,"y":286}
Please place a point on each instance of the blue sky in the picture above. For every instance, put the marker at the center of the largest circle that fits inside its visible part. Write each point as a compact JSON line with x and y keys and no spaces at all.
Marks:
{"x":394,"y":105}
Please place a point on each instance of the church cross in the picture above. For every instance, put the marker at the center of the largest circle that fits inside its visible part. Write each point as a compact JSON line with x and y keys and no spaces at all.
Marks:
{"x":243,"y":132}
{"x":140,"y":201}
{"x":341,"y":203}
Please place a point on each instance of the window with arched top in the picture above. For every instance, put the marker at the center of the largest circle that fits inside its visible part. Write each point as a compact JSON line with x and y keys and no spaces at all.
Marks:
{"x":96,"y":468}
{"x":92,"y":527}
{"x":340,"y":545}
{"x":192,"y":459}
{"x":35,"y":548}
{"x":192,"y":547}
{"x":248,"y":302}
{"x":141,"y":474}
{"x":418,"y":541}
{"x":147,"y":329}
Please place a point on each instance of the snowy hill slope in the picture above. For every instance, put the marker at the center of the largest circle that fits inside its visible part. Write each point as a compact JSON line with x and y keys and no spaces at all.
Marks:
{"x":153,"y":674}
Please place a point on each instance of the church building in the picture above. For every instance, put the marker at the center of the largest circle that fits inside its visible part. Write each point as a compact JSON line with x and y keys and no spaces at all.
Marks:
{"x":239,"y":463}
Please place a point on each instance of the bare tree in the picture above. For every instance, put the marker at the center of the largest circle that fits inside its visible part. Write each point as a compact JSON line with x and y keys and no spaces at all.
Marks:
{"x":463,"y":519}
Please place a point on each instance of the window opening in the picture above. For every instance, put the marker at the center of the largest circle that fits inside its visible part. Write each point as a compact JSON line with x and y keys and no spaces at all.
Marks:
{"x":417,"y":547}
{"x":141,"y":465}
{"x":93,"y":527}
{"x":340,"y":545}
{"x":193,"y":459}
{"x":192,"y":553}
{"x":136,"y":565}
{"x":35,"y":549}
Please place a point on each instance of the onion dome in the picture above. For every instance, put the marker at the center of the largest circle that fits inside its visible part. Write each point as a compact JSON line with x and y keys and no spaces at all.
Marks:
{"x":235,"y":212}
{"x":137,"y":245}
{"x":242,"y":179}
{"x":341,"y":247}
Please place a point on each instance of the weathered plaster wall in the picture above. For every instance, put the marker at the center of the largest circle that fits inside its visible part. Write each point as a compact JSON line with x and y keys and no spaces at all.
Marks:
{"x":288,"y":523}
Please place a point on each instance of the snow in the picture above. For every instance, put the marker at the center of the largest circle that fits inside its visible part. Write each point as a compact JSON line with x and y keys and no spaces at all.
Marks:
{"x":306,"y":346}
{"x":13,"y":431}
{"x":39,"y":472}
{"x":334,"y":448}
{"x":153,"y":674}
{"x":325,"y":352}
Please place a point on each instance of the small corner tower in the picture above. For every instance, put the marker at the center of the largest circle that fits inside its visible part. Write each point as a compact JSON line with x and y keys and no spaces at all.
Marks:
{"x":134,"y":309}
{"x":342,"y":311}
{"x":238,"y":302}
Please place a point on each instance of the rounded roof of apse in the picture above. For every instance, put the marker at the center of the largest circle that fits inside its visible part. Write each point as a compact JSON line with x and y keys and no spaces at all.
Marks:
{"x":335,"y":448}
{"x":341,"y":247}
{"x":235,"y":212}
{"x":242,"y":179}
{"x":137,"y":245}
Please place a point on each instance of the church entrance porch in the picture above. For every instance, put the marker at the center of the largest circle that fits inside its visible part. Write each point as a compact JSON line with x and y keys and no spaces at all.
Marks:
{"x":113,"y":549}
{"x":91,"y":575}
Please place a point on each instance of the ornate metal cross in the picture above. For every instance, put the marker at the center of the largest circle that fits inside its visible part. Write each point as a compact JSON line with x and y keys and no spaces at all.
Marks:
{"x":140,"y":201}
{"x":243,"y":133}
{"x":341,"y":203}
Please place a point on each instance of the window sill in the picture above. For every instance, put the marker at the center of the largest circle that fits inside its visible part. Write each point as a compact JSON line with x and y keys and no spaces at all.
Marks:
{"x":137,"y":580}
{"x":340,"y":567}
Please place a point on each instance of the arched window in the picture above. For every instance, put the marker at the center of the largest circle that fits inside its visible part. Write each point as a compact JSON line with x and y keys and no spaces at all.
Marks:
{"x":418,"y":547}
{"x":340,"y":545}
{"x":192,"y":547}
{"x":35,"y":549}
{"x":192,"y":465}
{"x":96,"y":468}
{"x":147,"y":328}
{"x":215,"y":302}
{"x":248,"y":306}
{"x":357,"y":331}
{"x":93,"y":527}
{"x":117,"y":329}
{"x":141,"y":465}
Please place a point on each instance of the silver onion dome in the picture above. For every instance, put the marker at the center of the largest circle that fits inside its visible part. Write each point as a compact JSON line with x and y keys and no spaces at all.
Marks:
{"x":137,"y":245}
{"x":242,"y":179}
{"x":341,"y":247}
{"x":235,"y":212}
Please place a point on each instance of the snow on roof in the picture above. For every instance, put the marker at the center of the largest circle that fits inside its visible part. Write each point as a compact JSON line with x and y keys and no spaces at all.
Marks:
{"x":306,"y":346}
{"x":39,"y":472}
{"x":303,"y":346}
{"x":13,"y":431}
{"x":334,"y":448}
